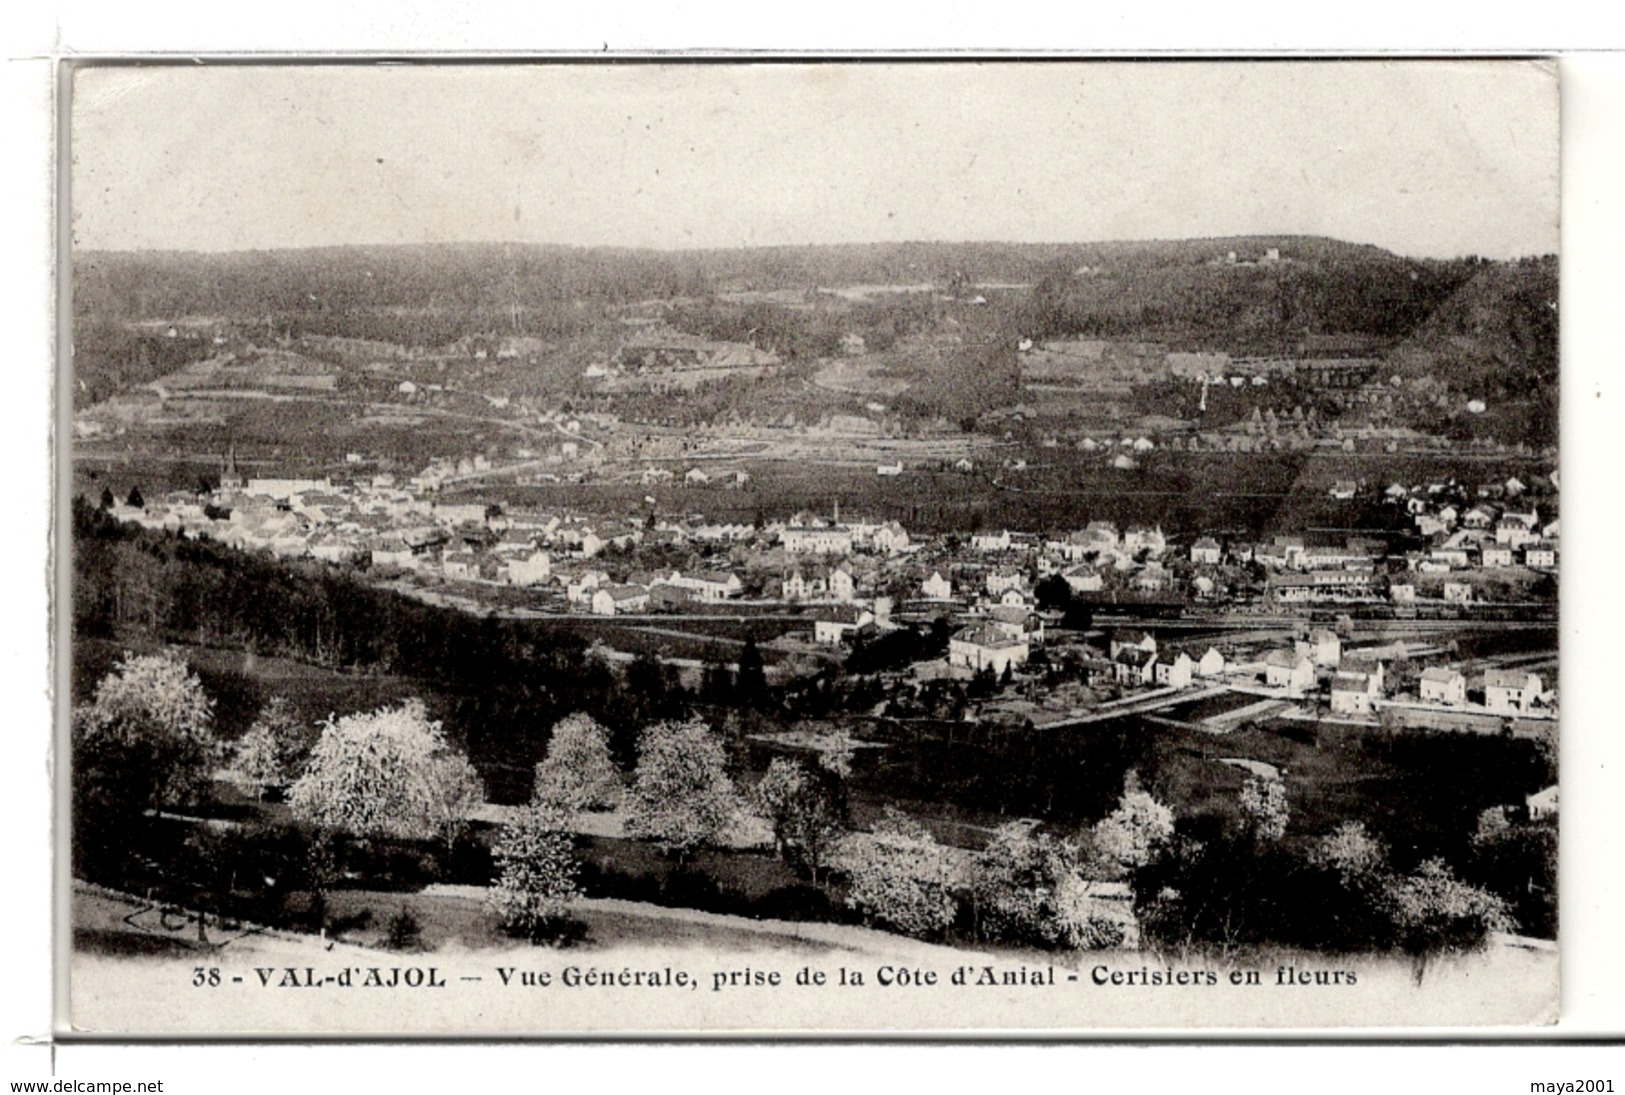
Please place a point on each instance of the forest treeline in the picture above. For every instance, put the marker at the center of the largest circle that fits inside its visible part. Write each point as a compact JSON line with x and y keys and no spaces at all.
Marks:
{"x":1182,"y":288}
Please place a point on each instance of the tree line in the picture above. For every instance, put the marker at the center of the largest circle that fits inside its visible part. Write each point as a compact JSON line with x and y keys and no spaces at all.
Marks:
{"x":144,"y":748}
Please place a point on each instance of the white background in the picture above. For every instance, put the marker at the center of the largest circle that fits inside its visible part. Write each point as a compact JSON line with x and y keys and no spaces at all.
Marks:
{"x":1593,"y":675}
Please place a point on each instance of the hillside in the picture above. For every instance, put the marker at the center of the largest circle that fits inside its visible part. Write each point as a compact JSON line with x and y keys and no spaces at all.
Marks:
{"x":1494,"y":340}
{"x":169,"y":285}
{"x":938,"y":316}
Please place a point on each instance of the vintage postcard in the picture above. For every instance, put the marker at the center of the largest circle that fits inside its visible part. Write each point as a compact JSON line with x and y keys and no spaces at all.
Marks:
{"x":972,"y":547}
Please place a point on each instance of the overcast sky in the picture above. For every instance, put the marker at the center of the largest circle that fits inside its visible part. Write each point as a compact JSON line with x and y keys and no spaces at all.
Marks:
{"x":1423,"y":158}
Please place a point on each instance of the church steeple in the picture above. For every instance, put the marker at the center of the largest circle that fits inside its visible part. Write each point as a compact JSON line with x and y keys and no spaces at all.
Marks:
{"x":230,"y":478}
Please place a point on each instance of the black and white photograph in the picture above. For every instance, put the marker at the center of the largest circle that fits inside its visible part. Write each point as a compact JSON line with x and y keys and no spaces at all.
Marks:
{"x":719,"y":545}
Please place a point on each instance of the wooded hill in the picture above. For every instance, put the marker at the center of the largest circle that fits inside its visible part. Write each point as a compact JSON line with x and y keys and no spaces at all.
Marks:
{"x":1485,"y":329}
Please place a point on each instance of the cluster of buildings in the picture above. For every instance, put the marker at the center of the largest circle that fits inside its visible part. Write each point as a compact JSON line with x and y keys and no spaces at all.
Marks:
{"x":1455,"y":546}
{"x":1356,"y":681}
{"x":1500,"y":528}
{"x":857,"y":577}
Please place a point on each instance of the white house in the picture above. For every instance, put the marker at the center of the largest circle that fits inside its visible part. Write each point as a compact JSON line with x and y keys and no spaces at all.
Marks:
{"x":1211,"y":663}
{"x":1134,"y":666}
{"x":708,"y":585}
{"x":1152,"y":578}
{"x":579,"y":588}
{"x":611,"y":600}
{"x":1442,"y":685}
{"x":1151,"y":539}
{"x":535,"y":569}
{"x":816,"y":540}
{"x":1135,"y":640}
{"x":1515,"y":530}
{"x":1352,"y":692}
{"x":1542,"y":555}
{"x":1288,"y":669}
{"x":1083,"y":578}
{"x":836,"y":623}
{"x":460,"y":564}
{"x":1176,"y":673}
{"x":890,"y":538}
{"x":937,"y":588}
{"x":1017,"y":622}
{"x":984,"y":647}
{"x":1509,"y":691}
{"x":393,"y":551}
{"x":1206,"y":551}
{"x":1323,"y":647}
{"x":991,"y":541}
{"x":802,"y":587}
